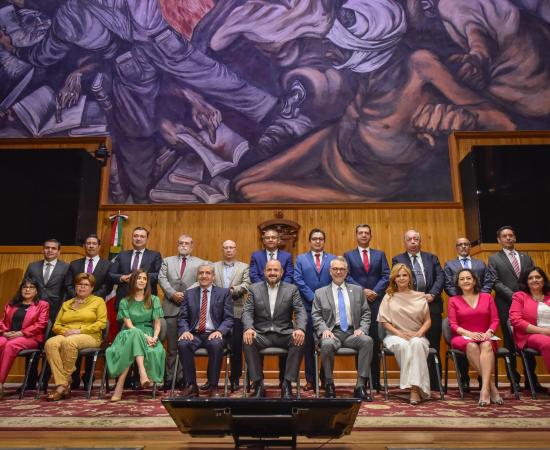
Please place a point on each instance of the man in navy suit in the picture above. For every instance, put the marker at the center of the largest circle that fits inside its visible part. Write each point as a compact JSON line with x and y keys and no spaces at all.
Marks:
{"x":485,"y":277}
{"x":138,"y":258}
{"x":369,"y":269}
{"x":205,"y":318}
{"x":428,"y":278}
{"x":312,"y":272}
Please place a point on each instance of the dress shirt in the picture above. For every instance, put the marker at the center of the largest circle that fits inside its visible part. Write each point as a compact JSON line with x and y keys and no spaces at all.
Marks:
{"x":360,"y":250}
{"x":209,"y":325}
{"x":52,"y":267}
{"x":272,"y":293}
{"x":462,"y":262}
{"x":275,"y":252}
{"x":509,"y":255}
{"x":543,"y":315}
{"x":133,"y":257}
{"x":346,"y":301}
{"x":317,"y":253}
{"x":228,"y":271}
{"x":419,"y":259}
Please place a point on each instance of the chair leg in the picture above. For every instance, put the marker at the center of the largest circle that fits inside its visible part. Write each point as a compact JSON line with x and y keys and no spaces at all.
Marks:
{"x":386,"y":393}
{"x":438,"y":373}
{"x":174,"y":375}
{"x":154,"y":393}
{"x":26,"y":378}
{"x":496,"y":371}
{"x":245,"y":379}
{"x":103,"y":381}
{"x":316,"y":365}
{"x":458,"y":376}
{"x":527,"y":371}
{"x":227,"y":362}
{"x":41,"y":378}
{"x":446,"y":372}
{"x":508,"y":365}
{"x":298,"y":385}
{"x":91,"y":380}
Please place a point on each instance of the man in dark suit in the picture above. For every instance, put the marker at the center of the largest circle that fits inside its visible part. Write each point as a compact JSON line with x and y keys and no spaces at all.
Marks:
{"x":99,"y":268}
{"x":267,"y":322}
{"x":369,"y":269}
{"x":311,"y":272}
{"x":138,"y":258}
{"x":486,"y":280}
{"x":49,"y":275}
{"x":507,"y":265}
{"x":428,"y":278}
{"x":206,"y":316}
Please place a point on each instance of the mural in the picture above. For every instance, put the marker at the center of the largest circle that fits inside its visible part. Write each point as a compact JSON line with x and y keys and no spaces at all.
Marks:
{"x":274,"y":101}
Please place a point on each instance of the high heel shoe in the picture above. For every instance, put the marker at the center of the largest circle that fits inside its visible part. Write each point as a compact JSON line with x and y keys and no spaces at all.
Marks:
{"x":115,"y":398}
{"x":415,"y":397}
{"x":497,"y":401}
{"x":56,"y":395}
{"x":483,"y":403}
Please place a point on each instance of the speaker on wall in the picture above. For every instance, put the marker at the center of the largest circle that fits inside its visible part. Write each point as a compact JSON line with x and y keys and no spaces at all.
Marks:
{"x":48,"y":194}
{"x":506,"y":185}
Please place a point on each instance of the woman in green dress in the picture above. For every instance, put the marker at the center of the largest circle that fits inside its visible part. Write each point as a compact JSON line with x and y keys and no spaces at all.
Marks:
{"x":138,"y":341}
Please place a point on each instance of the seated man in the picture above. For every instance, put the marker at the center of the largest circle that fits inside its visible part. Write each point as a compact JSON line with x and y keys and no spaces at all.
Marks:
{"x":267,"y":322}
{"x":206,"y":316}
{"x":341,"y":318}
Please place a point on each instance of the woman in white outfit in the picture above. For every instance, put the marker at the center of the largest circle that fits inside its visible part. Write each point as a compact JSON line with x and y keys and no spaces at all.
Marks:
{"x":405,"y":315}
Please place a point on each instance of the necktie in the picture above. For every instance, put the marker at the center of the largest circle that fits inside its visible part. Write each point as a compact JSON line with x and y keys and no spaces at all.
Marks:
{"x":271,"y":256}
{"x":90,"y":268}
{"x":466,"y":263}
{"x":135,"y":262}
{"x":202,"y":319}
{"x":183,"y":263}
{"x":342,"y":310}
{"x":318,"y":262}
{"x":47,"y":272}
{"x":515,"y":263}
{"x":366,"y":263}
{"x":420,"y":280}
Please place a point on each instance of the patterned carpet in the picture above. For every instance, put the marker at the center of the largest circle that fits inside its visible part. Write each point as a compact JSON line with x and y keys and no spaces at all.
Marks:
{"x":138,"y":410}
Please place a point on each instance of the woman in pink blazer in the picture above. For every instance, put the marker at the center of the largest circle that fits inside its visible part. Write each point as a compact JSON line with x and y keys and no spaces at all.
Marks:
{"x":530,"y":313}
{"x":23,"y":326}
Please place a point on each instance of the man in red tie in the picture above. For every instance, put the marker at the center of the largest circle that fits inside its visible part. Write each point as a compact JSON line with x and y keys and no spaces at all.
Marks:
{"x":369,"y":269}
{"x":206,"y":316}
{"x":312,"y":272}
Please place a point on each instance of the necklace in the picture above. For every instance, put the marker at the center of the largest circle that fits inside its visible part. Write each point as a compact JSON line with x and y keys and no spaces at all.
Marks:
{"x":538,"y":298}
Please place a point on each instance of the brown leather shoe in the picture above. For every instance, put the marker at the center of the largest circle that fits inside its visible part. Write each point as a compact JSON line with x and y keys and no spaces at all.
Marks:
{"x":213,"y":392}
{"x":309,"y":387}
{"x":190,"y":391}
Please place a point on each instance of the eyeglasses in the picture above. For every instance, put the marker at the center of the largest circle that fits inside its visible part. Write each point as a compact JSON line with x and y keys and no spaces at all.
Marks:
{"x":84,"y":285}
{"x":338,"y":269}
{"x":29,"y":287}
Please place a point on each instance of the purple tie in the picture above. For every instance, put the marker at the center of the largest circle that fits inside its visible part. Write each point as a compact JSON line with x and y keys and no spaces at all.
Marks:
{"x":135,"y":262}
{"x":90,"y":268}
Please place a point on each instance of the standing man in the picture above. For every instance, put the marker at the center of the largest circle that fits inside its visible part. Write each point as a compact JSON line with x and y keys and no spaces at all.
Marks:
{"x":341,"y":318}
{"x":485,"y":277}
{"x":177,"y":274}
{"x":267,"y":321}
{"x":369,"y":269}
{"x":428,"y":278}
{"x":206,"y":316}
{"x":311,"y":272}
{"x":234,"y":275}
{"x":99,"y":268}
{"x":507,"y":265}
{"x":138,"y":258}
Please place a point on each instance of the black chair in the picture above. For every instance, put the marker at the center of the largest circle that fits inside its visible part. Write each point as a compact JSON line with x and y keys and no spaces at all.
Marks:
{"x":342,"y":351}
{"x":386,"y":352}
{"x":268,"y":351}
{"x":526,"y":368}
{"x":453,"y":353}
{"x":30,"y":354}
{"x":95,"y":352}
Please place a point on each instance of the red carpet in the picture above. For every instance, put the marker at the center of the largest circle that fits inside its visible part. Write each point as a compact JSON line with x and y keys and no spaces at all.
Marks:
{"x":139,"y":411}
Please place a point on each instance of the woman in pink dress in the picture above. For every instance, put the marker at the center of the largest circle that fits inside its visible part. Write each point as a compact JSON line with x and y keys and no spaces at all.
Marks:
{"x":473,"y":318}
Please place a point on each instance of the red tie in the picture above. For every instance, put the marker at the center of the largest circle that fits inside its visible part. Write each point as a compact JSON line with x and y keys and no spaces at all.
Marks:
{"x":202,"y":320}
{"x":515,"y":263}
{"x":318,"y":262}
{"x":366,"y":260}
{"x":183,"y":263}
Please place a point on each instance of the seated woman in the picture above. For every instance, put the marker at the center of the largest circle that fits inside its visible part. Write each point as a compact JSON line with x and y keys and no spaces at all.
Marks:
{"x":530,"y":313}
{"x":473,"y":318}
{"x":139,"y":340}
{"x":78,"y":325}
{"x":23,"y":326}
{"x":405,"y":315}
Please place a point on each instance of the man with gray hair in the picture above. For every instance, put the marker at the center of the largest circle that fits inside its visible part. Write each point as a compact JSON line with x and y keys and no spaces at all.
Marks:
{"x":341,"y":318}
{"x":177,"y":274}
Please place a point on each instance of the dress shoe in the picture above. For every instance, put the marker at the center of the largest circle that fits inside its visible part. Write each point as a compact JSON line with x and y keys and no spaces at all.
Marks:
{"x":309,"y":386}
{"x":57,"y":395}
{"x":213,"y":392}
{"x":361,"y":392}
{"x":330,"y":390}
{"x":286,"y":390}
{"x":115,"y":398}
{"x":259,"y":390}
{"x":235,"y":386}
{"x":204,"y":387}
{"x":190,"y":391}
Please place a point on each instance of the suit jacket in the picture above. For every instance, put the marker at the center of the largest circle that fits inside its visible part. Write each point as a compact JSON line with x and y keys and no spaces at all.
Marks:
{"x":239,"y":283}
{"x":171,"y":282}
{"x":257,"y":313}
{"x":307,"y":279}
{"x":258,"y":260}
{"x":221,"y":310}
{"x":435,"y":278}
{"x":324,"y":310}
{"x":150,"y":262}
{"x":53,"y":291}
{"x":34,"y":323}
{"x":506,"y":281}
{"x":524,"y":312}
{"x":453,"y":266}
{"x":103,"y":284}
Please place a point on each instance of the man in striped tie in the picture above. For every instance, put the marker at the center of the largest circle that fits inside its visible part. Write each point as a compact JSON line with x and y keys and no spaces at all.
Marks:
{"x":205,"y":319}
